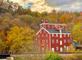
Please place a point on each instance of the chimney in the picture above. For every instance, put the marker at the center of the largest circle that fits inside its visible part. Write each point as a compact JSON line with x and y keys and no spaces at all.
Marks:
{"x":44,"y":21}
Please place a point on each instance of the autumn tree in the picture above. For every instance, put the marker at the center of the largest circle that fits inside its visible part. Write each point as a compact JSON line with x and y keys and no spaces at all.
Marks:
{"x":77,"y":32}
{"x":2,"y":46}
{"x":20,"y":39}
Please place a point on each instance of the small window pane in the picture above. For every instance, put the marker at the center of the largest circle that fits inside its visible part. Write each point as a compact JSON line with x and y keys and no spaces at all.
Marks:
{"x":57,"y":41}
{"x":56,"y":35}
{"x":64,"y":41}
{"x":52,"y":41}
{"x":60,"y":42}
{"x":52,"y":35}
{"x":61,"y":49}
{"x":53,"y":49}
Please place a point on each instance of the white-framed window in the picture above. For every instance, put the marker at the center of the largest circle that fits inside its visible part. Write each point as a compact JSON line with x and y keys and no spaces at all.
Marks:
{"x":61,"y":49}
{"x":60,"y":42}
{"x":64,"y":40}
{"x":42,"y":35}
{"x":52,"y":35}
{"x":46,"y":41}
{"x":57,"y":48}
{"x":56,"y":40}
{"x":68,"y":35}
{"x":46,"y":35}
{"x":56,"y":35}
{"x":60,"y":35}
{"x":64,"y":35}
{"x":52,"y":49}
{"x":53,"y":41}
{"x":65,"y":46}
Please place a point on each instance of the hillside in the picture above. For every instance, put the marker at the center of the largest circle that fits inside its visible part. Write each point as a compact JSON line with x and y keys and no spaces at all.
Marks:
{"x":19,"y":26}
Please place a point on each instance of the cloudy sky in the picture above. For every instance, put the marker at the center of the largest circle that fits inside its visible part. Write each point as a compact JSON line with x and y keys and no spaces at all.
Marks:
{"x":70,"y":5}
{"x":67,"y":5}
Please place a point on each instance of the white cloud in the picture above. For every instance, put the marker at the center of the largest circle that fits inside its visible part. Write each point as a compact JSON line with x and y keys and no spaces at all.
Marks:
{"x":42,"y":5}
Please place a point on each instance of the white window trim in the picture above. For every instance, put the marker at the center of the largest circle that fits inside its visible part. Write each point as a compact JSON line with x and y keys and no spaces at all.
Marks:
{"x":56,"y":40}
{"x":56,"y":35}
{"x":52,"y":41}
{"x":60,"y":42}
{"x":61,"y":49}
{"x":52,"y":35}
{"x":64,"y":40}
{"x":52,"y":49}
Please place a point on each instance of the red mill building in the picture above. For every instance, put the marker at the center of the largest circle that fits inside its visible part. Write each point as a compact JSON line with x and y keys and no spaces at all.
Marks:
{"x":53,"y":37}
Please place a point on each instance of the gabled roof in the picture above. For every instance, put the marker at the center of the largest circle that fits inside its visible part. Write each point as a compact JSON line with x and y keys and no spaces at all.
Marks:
{"x":42,"y":29}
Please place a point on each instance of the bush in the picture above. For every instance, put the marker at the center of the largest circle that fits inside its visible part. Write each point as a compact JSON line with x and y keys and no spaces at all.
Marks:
{"x":53,"y":56}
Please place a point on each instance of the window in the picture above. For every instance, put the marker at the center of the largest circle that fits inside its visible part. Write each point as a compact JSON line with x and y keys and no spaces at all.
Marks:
{"x":56,"y":40}
{"x":52,"y":49}
{"x":64,"y":41}
{"x":60,"y":42}
{"x":53,"y":41}
{"x":65,"y":47}
{"x":68,"y":35}
{"x":46,"y":35}
{"x":61,"y":49}
{"x":52,"y":35}
{"x":64,"y":35}
{"x":56,"y":35}
{"x":60,"y":35}
{"x":46,"y":41}
{"x":56,"y":48}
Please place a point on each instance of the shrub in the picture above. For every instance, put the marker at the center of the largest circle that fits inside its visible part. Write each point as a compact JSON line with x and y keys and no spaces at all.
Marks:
{"x":53,"y":56}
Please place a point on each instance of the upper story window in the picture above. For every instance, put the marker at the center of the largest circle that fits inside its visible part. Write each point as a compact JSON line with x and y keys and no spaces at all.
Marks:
{"x":64,"y":35}
{"x":56,"y":40}
{"x":60,"y":42}
{"x":47,"y":41}
{"x":56,"y":35}
{"x":46,"y":35}
{"x":60,"y":35}
{"x":53,"y":41}
{"x":42,"y":35}
{"x":64,"y":40}
{"x":52,"y":35}
{"x":68,"y":35}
